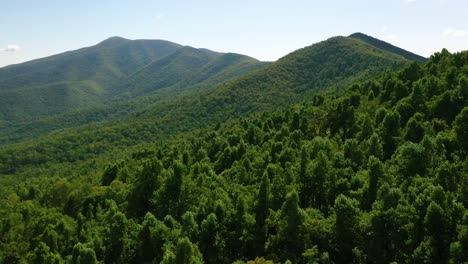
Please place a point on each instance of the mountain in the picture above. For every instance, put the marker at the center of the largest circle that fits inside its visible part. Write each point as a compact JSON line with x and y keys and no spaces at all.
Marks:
{"x":105,"y":63}
{"x":114,"y":70}
{"x":330,"y":65}
{"x":72,"y":80}
{"x":388,"y":47}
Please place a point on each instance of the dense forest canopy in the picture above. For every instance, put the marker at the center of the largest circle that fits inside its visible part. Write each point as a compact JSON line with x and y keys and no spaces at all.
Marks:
{"x":377,"y":173}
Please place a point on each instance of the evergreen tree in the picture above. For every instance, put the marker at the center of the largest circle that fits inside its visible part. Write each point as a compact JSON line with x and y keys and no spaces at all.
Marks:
{"x":187,"y":253}
{"x":375,"y":171}
{"x":390,"y":131}
{"x":209,"y":243}
{"x":146,"y":183}
{"x":460,"y":126}
{"x":346,"y":224}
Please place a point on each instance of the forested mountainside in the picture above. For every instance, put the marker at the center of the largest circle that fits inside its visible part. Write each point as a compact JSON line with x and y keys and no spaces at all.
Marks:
{"x":329,"y":65}
{"x":104,"y":76}
{"x":377,"y":173}
{"x":104,"y":63}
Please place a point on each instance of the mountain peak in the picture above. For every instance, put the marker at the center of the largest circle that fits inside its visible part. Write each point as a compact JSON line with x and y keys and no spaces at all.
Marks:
{"x":113,"y":41}
{"x":359,"y":35}
{"x":387,"y":46}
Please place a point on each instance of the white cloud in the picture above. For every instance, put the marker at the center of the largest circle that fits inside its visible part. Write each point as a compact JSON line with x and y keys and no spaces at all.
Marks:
{"x":11,"y":48}
{"x":410,"y":1}
{"x":456,"y":33}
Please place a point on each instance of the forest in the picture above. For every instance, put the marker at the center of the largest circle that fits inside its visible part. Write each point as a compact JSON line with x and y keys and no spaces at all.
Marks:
{"x":374,"y":173}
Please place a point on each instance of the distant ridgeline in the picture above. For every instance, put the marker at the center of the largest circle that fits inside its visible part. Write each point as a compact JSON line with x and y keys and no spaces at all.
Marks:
{"x":104,"y":82}
{"x":123,"y":80}
{"x":361,"y":164}
{"x":388,"y":47}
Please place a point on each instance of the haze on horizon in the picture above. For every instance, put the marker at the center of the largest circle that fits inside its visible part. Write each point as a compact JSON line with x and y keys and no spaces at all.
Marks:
{"x":266,"y":30}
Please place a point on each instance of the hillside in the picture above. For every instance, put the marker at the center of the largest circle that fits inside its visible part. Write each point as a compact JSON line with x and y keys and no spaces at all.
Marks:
{"x":185,"y":68}
{"x":72,"y":80}
{"x":374,"y":173}
{"x":106,"y":63}
{"x":326,"y":66}
{"x":112,"y":71}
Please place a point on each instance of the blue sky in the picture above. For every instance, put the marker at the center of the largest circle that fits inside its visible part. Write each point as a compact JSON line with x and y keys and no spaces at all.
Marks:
{"x":263,"y":29}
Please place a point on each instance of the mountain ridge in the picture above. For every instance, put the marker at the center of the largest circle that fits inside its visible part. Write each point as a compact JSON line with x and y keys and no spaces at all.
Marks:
{"x":220,"y":85}
{"x":387,"y":46}
{"x":106,"y":65}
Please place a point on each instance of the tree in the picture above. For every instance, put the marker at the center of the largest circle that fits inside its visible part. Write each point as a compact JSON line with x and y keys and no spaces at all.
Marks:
{"x":435,"y":223}
{"x":315,"y":187}
{"x":352,"y":152}
{"x":149,"y":245}
{"x":375,"y":146}
{"x":262,"y":211}
{"x":50,"y":238}
{"x":189,"y":225}
{"x":242,"y":241}
{"x":187,"y":253}
{"x":415,"y":130}
{"x":460,"y":126}
{"x":116,"y":238}
{"x":390,"y":131}
{"x":288,"y":239}
{"x":410,"y":159}
{"x":346,"y":227}
{"x":366,"y":127}
{"x":42,"y":254}
{"x":145,"y":184}
{"x":83,"y":255}
{"x":295,"y":124}
{"x":448,"y":176}
{"x":210,"y":244}
{"x":445,"y":107}
{"x":312,"y":255}
{"x":406,"y":111}
{"x":304,"y":163}
{"x":342,"y":118}
{"x":375,"y":171}
{"x":387,"y":242}
{"x":263,"y":201}
{"x":167,"y":198}
{"x":411,"y":73}
{"x":399,"y":91}
{"x":417,"y":99}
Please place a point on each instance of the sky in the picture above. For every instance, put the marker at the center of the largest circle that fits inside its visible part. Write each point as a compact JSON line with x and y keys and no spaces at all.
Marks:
{"x":263,"y":29}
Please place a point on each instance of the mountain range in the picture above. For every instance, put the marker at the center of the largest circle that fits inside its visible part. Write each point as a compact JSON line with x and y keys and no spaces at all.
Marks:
{"x":118,"y":79}
{"x":114,"y":68}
